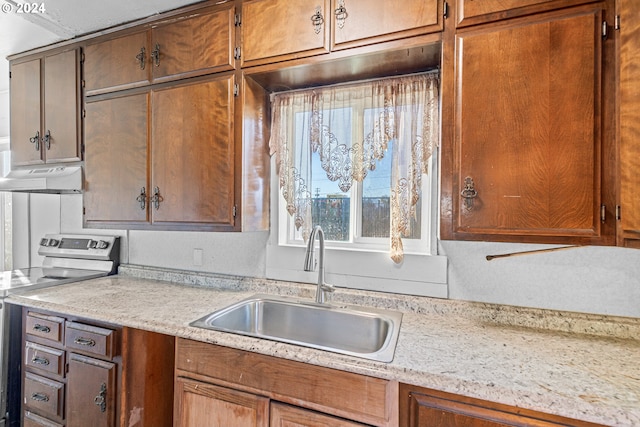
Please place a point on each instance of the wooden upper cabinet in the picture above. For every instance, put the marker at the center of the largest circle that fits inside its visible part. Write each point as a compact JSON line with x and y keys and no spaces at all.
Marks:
{"x":276,"y":30}
{"x":358,"y":22}
{"x":200,"y":44}
{"x":280,"y":30}
{"x":527,"y":129}
{"x":192,"y":166}
{"x":629,"y":54}
{"x":470,"y":12}
{"x":180,"y":46}
{"x":116,"y":139}
{"x":118,"y":63}
{"x":45,"y":98}
{"x":26,"y":132}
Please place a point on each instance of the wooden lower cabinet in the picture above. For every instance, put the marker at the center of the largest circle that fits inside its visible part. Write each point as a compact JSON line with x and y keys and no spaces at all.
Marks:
{"x":91,"y":392}
{"x":218,"y":386}
{"x":421,"y":407}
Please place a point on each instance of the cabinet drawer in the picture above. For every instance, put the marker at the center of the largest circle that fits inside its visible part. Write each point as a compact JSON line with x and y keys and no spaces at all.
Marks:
{"x":90,"y":339}
{"x":50,"y":360}
{"x":33,"y":420}
{"x":44,"y":326}
{"x":43,"y":395}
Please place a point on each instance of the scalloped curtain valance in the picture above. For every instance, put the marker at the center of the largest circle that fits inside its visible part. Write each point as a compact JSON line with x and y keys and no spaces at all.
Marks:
{"x":406,"y":112}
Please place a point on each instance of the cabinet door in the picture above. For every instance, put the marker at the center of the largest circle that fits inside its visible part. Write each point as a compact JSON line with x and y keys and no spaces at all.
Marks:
{"x":193,"y":153}
{"x":286,"y":416}
{"x":629,"y":233}
{"x":198,"y":45}
{"x":274,"y":30}
{"x":26,"y":136}
{"x":61,"y":101}
{"x":199,"y":404}
{"x":116,"y":160}
{"x":358,"y":22}
{"x":528,"y":138}
{"x":117,"y":64}
{"x":91,"y":392}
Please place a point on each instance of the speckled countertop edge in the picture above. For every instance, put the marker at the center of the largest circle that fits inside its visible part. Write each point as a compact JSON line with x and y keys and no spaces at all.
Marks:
{"x":571,"y":364}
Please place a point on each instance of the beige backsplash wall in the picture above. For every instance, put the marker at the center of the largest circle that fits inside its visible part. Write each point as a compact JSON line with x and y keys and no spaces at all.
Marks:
{"x":602,"y":280}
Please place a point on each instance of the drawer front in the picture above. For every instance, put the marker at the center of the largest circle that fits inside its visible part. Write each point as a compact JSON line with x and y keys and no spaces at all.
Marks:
{"x":50,"y":360}
{"x":33,"y":420}
{"x":44,"y":396}
{"x":90,"y":339}
{"x":44,"y":326}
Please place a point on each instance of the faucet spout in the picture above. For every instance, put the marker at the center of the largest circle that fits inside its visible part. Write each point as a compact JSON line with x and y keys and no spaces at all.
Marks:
{"x":310,"y":263}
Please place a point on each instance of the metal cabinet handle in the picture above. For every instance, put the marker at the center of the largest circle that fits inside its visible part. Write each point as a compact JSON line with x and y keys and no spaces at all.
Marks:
{"x":155,"y":55}
{"x":341,"y":14}
{"x":40,"y":361}
{"x":41,"y":328}
{"x":142,"y":57}
{"x":142,"y":198}
{"x":47,"y":139}
{"x":101,"y":398}
{"x":468,"y":193}
{"x":36,"y":140}
{"x":40,"y":397}
{"x":156,"y":198}
{"x":85,"y":341}
{"x":317,"y":20}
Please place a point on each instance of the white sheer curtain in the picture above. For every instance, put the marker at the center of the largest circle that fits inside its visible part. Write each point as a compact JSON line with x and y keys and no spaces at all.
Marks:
{"x":402,"y":110}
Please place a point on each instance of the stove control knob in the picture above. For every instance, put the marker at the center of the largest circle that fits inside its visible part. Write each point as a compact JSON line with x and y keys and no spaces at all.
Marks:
{"x":44,"y":242}
{"x":103,"y":244}
{"x":54,"y":242}
{"x":93,"y":244}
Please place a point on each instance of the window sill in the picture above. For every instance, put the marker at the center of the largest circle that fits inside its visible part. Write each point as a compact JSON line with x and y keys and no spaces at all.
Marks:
{"x":424,"y":275}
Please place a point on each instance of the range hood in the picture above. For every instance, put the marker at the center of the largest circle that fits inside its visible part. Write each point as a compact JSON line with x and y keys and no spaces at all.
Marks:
{"x":41,"y":179}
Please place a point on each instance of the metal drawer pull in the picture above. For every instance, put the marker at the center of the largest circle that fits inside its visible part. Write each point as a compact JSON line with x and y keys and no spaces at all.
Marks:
{"x":469,"y":193}
{"x":85,"y":341}
{"x":40,"y":360}
{"x":155,"y":55}
{"x":341,"y":14}
{"x":100,"y":399}
{"x":40,"y":397}
{"x":142,"y":57}
{"x":317,"y":20}
{"x":36,"y":140}
{"x":142,"y":198}
{"x":156,"y":198}
{"x":47,"y":139}
{"x":41,"y":328}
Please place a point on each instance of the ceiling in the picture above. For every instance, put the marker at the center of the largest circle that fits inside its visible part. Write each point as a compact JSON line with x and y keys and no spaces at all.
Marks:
{"x":62,"y":20}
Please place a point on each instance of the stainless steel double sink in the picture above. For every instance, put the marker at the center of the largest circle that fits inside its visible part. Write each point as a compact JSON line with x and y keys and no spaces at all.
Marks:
{"x":357,"y":331}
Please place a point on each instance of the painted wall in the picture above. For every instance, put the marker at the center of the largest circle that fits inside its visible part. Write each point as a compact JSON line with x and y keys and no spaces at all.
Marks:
{"x":602,"y":280}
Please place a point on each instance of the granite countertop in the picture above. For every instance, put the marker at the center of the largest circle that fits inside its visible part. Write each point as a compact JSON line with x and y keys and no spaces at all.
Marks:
{"x":574,"y":365}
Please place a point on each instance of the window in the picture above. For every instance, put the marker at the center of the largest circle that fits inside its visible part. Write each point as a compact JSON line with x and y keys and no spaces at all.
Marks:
{"x":352,"y":158}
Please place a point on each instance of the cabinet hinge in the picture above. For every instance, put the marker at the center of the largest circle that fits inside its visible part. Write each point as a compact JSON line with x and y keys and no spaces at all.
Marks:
{"x":605,"y":32}
{"x":603,"y":213}
{"x":82,"y":58}
{"x":236,"y":89}
{"x":235,"y":210}
{"x":445,"y":10}
{"x":236,"y":53}
{"x":618,"y":217}
{"x":84,"y":113}
{"x":237,"y":21}
{"x":616,"y":22}
{"x":83,"y":83}
{"x":84,"y":210}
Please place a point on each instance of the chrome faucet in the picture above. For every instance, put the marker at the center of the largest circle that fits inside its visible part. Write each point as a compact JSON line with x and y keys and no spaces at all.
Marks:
{"x":310,"y":263}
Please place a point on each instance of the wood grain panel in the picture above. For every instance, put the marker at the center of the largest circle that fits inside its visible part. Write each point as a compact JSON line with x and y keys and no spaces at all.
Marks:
{"x":274,"y":30}
{"x":112,"y":64}
{"x":352,"y":396}
{"x":86,"y":380}
{"x":629,"y":122}
{"x":200,"y":404}
{"x":375,"y":21}
{"x":194,"y":46}
{"x":528,"y":109}
{"x":25,"y":112}
{"x":291,"y":416}
{"x":116,"y":137}
{"x":193,"y":152}
{"x":61,"y":101}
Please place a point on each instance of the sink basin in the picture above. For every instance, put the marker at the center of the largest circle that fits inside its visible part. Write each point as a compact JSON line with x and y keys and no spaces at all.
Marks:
{"x":357,"y":331}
